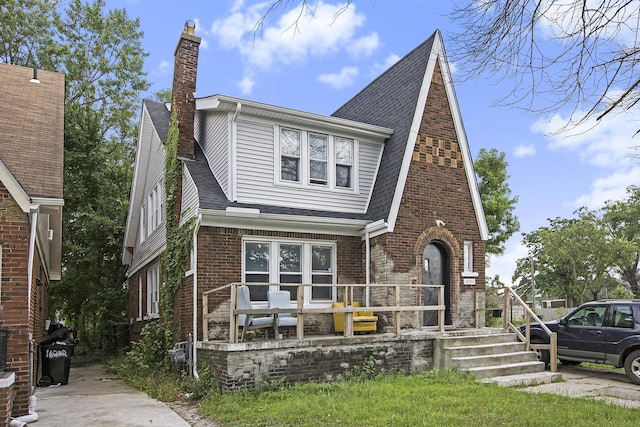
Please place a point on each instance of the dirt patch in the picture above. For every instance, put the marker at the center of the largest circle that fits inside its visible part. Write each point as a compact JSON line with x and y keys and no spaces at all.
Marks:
{"x":190,"y":411}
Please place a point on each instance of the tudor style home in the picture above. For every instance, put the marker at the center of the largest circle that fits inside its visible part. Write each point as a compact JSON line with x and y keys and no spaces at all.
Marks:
{"x":381,"y":191}
{"x":31,"y":200}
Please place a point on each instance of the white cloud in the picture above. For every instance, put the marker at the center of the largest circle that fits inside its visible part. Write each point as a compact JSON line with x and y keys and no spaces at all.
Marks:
{"x":604,"y":144}
{"x":246,"y":85}
{"x":611,"y":187}
{"x":295,"y":37}
{"x":505,"y":265}
{"x":339,"y":80}
{"x":379,"y":68}
{"x":522,"y":151}
{"x":165,"y":67}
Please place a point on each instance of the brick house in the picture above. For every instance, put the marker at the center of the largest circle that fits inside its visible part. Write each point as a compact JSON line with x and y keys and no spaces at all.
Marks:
{"x":31,"y":200}
{"x":381,"y":191}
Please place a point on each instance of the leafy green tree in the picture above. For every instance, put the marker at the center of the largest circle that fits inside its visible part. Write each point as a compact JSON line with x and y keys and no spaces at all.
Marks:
{"x":572,"y":258}
{"x":491,"y":169}
{"x":622,"y":218}
{"x":100,"y":52}
{"x":26,"y":31}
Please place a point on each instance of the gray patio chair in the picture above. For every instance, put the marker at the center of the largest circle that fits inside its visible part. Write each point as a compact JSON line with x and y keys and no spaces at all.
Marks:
{"x":248,"y":321}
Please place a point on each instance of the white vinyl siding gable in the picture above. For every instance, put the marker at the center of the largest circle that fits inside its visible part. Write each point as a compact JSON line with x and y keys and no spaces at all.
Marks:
{"x":213,"y":135}
{"x":259,"y":180}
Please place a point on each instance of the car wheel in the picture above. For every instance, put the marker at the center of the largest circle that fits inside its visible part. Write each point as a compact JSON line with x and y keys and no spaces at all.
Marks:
{"x":632,"y":367}
{"x":541,"y":355}
{"x":569,"y":362}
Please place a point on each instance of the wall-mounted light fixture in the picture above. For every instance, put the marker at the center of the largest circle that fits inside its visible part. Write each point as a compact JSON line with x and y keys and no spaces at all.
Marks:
{"x":440,"y":223}
{"x":39,"y":282}
{"x":35,"y":76}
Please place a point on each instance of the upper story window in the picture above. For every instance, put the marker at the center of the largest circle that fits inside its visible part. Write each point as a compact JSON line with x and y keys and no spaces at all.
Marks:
{"x":154,"y":208}
{"x":316,"y":159}
{"x":290,"y":155}
{"x":344,"y":161}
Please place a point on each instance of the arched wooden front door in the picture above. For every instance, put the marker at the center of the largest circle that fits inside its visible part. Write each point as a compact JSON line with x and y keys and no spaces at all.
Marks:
{"x":435,"y":265}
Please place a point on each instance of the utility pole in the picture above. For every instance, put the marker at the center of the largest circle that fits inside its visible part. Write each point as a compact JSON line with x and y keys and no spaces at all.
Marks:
{"x":533,"y":286}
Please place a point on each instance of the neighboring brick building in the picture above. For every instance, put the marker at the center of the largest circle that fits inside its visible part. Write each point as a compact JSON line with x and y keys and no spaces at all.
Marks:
{"x":382,"y":191}
{"x":31,"y":200}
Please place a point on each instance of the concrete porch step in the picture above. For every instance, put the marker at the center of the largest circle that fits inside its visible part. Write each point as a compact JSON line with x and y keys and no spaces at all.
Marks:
{"x":523,"y":380}
{"x":518,"y":368}
{"x":489,"y":360}
{"x":485,"y":349}
{"x":473,"y":340}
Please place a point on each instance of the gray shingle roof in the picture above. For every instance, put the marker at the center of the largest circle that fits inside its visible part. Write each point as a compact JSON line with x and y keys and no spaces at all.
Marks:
{"x":160,"y":116}
{"x":390,"y":101}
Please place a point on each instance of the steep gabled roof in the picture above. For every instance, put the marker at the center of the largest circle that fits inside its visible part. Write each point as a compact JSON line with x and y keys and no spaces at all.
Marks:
{"x":32,"y":123}
{"x":396,"y":99}
{"x":390,"y":100}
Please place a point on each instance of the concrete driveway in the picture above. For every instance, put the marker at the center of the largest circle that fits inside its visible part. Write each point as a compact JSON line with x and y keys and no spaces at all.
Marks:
{"x":609,"y":385}
{"x":95,"y":398}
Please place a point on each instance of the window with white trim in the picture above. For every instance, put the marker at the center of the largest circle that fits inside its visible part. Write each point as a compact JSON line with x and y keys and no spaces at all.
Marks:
{"x":295,"y":262}
{"x":468,"y":256}
{"x":289,"y":155}
{"x":153,"y":291}
{"x":143,"y":230}
{"x":315,"y":159}
{"x":155,"y":208}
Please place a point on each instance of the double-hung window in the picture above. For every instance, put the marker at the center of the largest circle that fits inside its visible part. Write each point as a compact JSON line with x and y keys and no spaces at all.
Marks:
{"x":155,"y":208}
{"x":153,"y":291}
{"x":318,"y":151}
{"x":290,"y":154}
{"x":316,"y":159}
{"x":286,"y":262}
{"x":344,"y":162}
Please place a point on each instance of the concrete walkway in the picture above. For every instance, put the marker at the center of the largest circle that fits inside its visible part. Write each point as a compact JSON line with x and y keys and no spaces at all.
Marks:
{"x":611,"y":386}
{"x":95,"y":398}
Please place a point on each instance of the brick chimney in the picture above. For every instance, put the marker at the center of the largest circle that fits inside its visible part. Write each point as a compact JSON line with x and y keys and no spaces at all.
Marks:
{"x":184,"y":86}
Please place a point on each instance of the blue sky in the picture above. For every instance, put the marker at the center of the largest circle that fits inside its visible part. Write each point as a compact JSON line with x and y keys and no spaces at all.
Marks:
{"x":322,"y":63}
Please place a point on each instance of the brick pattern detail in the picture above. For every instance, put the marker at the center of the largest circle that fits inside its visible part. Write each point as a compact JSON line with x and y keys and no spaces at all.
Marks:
{"x":436,"y":188}
{"x":184,"y":87}
{"x":14,"y":298}
{"x":438,"y":152}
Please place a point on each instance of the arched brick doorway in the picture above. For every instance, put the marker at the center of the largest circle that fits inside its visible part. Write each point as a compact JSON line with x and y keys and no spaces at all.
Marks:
{"x":436,"y":270}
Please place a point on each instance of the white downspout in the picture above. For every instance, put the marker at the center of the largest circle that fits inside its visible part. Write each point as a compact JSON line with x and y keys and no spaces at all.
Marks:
{"x":367,"y":267}
{"x":233,"y":156}
{"x":194,"y":351}
{"x":34,"y":210}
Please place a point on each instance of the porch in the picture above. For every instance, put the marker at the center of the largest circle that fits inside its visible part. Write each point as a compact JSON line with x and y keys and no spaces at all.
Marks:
{"x":401,"y":344}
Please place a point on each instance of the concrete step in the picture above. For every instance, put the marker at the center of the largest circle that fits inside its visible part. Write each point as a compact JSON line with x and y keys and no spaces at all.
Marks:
{"x":471,"y":340}
{"x":477,"y":350}
{"x":523,"y":380}
{"x":500,"y":359}
{"x":518,"y":368}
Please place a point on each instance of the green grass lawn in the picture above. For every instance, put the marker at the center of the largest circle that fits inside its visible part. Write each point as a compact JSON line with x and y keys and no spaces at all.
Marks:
{"x":433,"y":399}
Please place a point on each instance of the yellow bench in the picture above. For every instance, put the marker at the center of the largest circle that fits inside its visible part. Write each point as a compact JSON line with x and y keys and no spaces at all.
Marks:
{"x":363,"y":321}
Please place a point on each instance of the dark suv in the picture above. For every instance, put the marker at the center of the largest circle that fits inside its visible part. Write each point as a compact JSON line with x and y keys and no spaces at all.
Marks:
{"x":606,"y":331}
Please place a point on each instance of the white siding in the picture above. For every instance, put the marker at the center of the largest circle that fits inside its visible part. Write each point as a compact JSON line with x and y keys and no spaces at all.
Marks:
{"x":257,"y":182}
{"x":213,"y":136}
{"x":152,"y":171}
{"x":190,"y":200}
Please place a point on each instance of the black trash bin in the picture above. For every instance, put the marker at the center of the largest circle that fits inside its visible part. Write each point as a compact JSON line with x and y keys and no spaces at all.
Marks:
{"x":56,"y":352}
{"x":56,"y":361}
